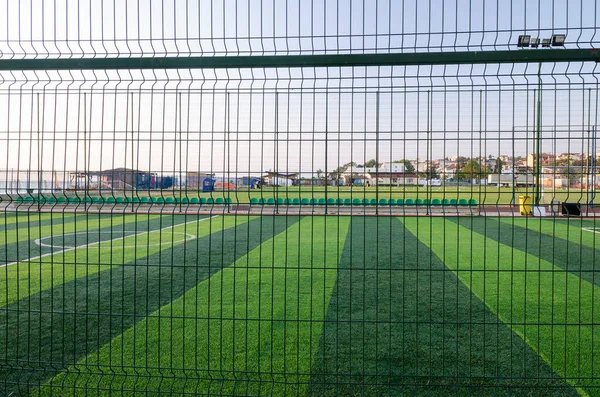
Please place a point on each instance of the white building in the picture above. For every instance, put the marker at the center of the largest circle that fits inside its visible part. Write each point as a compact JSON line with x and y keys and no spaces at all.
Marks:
{"x":508,"y":180}
{"x":387,"y":168}
{"x":391,"y":174}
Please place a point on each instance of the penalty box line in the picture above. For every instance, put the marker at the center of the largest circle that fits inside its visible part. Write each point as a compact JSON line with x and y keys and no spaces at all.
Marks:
{"x":105,"y":241}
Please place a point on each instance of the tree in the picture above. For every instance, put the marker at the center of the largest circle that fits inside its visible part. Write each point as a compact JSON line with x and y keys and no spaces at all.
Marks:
{"x":564,"y":162}
{"x":372,"y":163}
{"x":496,"y":165}
{"x":500,"y":164}
{"x":321,"y":178}
{"x":339,"y":171}
{"x":408,"y":167}
{"x":472,"y":170}
{"x":430,"y":173}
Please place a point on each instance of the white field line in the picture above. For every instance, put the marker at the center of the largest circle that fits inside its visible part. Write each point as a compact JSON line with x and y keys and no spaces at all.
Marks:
{"x":187,"y":237}
{"x":104,"y":241}
{"x":591,"y":229}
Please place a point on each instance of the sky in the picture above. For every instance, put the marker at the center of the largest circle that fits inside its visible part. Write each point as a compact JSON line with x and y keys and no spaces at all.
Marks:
{"x":300,"y":119}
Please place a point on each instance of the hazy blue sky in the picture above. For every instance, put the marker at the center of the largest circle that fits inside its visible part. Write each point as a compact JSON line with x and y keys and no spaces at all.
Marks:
{"x":227,"y":118}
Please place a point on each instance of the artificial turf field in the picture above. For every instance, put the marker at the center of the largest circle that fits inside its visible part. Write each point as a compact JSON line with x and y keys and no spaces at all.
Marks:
{"x":172,"y":304}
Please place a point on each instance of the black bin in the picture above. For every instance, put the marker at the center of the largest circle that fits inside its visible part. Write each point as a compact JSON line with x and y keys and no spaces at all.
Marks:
{"x":571,"y":209}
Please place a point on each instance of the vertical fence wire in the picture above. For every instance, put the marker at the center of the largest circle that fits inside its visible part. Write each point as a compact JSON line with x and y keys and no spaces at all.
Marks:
{"x":297,"y":228}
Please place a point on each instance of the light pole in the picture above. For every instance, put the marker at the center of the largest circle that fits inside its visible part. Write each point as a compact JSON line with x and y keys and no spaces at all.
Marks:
{"x":557,"y":40}
{"x":593,"y":167}
{"x":537,"y":138}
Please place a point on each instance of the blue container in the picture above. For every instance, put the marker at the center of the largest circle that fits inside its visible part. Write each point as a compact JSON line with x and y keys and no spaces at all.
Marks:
{"x":255,"y":183}
{"x":208,"y":185}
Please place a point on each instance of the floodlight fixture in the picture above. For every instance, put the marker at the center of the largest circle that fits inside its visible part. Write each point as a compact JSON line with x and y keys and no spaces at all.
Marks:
{"x":535,"y":42}
{"x":546,"y":42}
{"x":524,"y":40}
{"x":558,"y":40}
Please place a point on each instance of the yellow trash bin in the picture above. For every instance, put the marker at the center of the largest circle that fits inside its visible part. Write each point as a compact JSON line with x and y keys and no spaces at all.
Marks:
{"x":525,"y":205}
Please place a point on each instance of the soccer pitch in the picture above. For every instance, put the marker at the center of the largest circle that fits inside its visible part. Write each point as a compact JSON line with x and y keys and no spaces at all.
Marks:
{"x":114,"y":304}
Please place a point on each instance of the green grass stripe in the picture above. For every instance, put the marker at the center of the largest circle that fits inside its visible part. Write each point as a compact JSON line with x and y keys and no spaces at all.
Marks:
{"x":551,"y":309}
{"x":215,"y":334}
{"x":565,"y":229}
{"x":28,"y":278}
{"x":8,"y":217}
{"x":78,"y":317}
{"x":20,"y":280}
{"x":61,"y":226}
{"x":28,"y":247}
{"x":578,"y":259}
{"x":34,"y":218}
{"x":400,"y":323}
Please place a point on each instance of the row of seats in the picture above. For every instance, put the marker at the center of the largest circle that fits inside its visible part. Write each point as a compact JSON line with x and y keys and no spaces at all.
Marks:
{"x":253,"y":201}
{"x":122,"y":200}
{"x":363,"y":202}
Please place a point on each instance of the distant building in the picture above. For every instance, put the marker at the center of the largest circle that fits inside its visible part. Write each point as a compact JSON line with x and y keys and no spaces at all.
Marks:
{"x":127,"y":178}
{"x":510,"y":180}
{"x":425,"y":165}
{"x":281,"y":179}
{"x":545,"y":159}
{"x":570,"y":157}
{"x":360,"y":180}
{"x":459,"y":159}
{"x":84,"y":180}
{"x":395,"y":179}
{"x":390,"y":174}
{"x":307,"y":180}
{"x":195,"y":179}
{"x":246,"y":180}
{"x":493,"y":164}
{"x":449,"y":171}
{"x":387,"y":167}
{"x":574,"y":175}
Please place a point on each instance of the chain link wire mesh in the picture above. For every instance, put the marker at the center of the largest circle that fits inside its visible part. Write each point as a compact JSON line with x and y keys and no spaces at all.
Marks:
{"x":298,"y":198}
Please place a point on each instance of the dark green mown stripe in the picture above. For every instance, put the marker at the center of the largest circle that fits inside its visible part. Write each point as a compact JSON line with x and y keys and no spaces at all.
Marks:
{"x":209,"y":336}
{"x":575,"y":258}
{"x":146,"y":236}
{"x":567,"y":229}
{"x":82,"y":315}
{"x":416,"y":325}
{"x":552,"y":310}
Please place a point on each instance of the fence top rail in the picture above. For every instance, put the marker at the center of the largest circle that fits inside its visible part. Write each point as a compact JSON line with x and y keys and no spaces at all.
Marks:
{"x":277,"y":61}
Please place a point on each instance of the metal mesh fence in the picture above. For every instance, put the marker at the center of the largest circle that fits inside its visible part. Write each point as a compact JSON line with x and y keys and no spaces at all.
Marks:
{"x":294,"y":198}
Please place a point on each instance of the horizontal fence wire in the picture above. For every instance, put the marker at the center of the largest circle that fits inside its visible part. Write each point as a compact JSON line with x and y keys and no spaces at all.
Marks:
{"x":147,"y":147}
{"x":299,"y":198}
